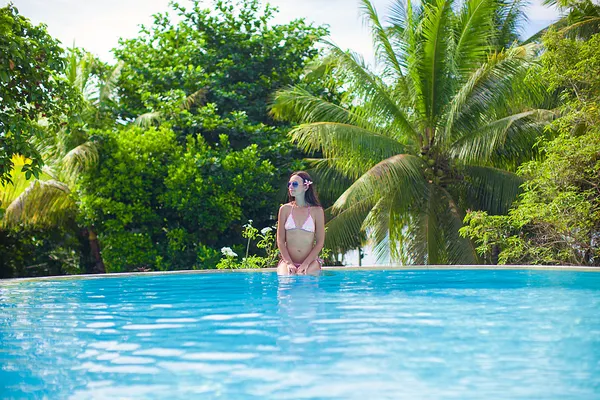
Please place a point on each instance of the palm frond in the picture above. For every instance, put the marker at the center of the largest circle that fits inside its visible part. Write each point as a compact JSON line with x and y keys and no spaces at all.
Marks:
{"x":394,"y":187}
{"x":374,"y":93}
{"x":518,"y":132}
{"x":344,"y":229}
{"x":491,"y":87}
{"x":432,"y":233}
{"x":196,"y":98}
{"x":377,"y":221}
{"x":107,"y":87}
{"x":79,"y":159}
{"x":298,"y":104}
{"x":333,"y":181}
{"x":575,"y":26}
{"x":491,"y":189}
{"x":536,"y":37}
{"x":383,"y":46}
{"x":510,"y":17}
{"x":78,"y":69}
{"x":400,"y":173}
{"x":43,"y":203}
{"x":402,"y":17}
{"x":344,"y":140}
{"x":434,"y":28}
{"x":149,"y":119}
{"x":592,"y":22}
{"x":473,"y":35}
{"x":404,"y":33}
{"x":424,"y":239}
{"x":380,"y":225}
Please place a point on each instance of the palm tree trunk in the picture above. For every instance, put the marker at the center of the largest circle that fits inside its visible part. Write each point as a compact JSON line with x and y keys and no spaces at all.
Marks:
{"x":95,"y":250}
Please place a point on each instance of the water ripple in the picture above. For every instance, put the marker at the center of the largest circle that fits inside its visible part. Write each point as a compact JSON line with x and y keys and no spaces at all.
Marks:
{"x":344,"y":335}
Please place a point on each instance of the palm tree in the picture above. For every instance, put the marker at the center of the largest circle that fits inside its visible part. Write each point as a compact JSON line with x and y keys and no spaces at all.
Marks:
{"x":49,"y":199}
{"x":438,"y":132}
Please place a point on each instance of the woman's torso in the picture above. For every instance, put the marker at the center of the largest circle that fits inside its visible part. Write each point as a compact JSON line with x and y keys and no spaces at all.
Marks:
{"x":299,"y":242}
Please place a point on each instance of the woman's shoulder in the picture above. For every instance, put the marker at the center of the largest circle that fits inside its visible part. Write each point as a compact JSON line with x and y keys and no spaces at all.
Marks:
{"x":286,"y":207}
{"x":317,"y":211}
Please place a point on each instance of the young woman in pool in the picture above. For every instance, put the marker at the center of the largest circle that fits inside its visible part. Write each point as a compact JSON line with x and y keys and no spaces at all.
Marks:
{"x":300,"y":228}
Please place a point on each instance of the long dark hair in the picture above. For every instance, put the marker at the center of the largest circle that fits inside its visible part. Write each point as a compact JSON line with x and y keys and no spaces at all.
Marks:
{"x":310,"y":195}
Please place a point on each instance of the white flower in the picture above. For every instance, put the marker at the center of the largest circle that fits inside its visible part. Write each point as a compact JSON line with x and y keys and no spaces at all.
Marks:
{"x":250,"y":221}
{"x":266,"y":230}
{"x":227,"y":252}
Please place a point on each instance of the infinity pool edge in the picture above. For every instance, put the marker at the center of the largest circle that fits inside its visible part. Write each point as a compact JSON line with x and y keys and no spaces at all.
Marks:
{"x":348,"y":268}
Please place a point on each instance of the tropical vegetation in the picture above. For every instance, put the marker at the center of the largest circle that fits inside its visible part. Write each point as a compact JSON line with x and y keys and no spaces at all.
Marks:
{"x":441,"y":130}
{"x":556,"y":220}
{"x":462,"y":144}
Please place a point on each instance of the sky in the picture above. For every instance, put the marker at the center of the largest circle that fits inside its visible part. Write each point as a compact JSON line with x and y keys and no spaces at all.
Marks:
{"x":97,"y":25}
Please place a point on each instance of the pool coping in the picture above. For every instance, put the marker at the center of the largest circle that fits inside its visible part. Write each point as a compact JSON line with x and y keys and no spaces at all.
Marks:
{"x":337,"y":268}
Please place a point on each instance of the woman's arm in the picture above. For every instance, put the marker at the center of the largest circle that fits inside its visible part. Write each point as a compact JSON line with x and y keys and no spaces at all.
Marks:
{"x":319,"y":236}
{"x":281,"y":244}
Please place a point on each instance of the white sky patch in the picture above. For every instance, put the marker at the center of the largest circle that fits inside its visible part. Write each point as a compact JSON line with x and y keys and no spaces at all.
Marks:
{"x":97,"y":25}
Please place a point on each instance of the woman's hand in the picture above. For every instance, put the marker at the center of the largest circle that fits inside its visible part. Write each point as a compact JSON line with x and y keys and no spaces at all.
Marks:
{"x":303,"y":268}
{"x":292,"y":269}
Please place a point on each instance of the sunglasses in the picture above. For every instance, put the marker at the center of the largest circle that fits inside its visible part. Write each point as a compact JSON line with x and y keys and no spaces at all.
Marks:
{"x":293,"y":184}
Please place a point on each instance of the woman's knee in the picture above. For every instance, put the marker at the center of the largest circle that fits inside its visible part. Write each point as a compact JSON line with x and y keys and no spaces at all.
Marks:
{"x":283,"y":268}
{"x":314,"y":266}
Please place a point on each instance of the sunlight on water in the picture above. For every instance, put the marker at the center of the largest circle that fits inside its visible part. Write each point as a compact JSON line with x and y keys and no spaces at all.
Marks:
{"x":344,"y":335}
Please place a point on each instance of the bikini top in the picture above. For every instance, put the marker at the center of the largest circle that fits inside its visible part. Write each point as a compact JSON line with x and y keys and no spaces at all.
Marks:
{"x":308,"y":226}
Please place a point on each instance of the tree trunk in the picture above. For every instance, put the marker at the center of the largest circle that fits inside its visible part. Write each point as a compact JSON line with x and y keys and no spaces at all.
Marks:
{"x":95,"y":250}
{"x":495,"y":254}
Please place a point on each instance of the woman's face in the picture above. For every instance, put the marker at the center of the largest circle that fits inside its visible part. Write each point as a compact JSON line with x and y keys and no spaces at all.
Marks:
{"x":296,"y":186}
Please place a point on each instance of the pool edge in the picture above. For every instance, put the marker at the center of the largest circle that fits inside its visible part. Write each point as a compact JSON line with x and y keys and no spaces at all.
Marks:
{"x":343,"y":268}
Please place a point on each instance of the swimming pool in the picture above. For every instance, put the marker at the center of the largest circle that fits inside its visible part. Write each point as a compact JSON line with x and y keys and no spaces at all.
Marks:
{"x":375,"y":334}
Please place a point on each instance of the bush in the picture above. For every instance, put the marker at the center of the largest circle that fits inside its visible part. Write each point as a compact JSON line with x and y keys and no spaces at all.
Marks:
{"x":159,"y":205}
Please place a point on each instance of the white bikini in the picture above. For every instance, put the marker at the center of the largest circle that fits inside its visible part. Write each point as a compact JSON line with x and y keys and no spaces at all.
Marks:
{"x":308,"y":226}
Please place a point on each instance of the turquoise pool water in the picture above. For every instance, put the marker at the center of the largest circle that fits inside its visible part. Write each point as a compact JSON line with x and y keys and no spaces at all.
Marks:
{"x":423,"y":334}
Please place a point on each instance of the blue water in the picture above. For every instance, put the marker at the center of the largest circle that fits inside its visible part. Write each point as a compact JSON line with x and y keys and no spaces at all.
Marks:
{"x":343,"y":335}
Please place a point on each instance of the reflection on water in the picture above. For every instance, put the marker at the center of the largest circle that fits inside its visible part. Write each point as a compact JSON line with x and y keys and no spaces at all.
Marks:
{"x":343,"y":335}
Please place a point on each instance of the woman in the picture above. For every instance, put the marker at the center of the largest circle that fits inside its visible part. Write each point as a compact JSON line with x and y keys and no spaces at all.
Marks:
{"x":300,"y":228}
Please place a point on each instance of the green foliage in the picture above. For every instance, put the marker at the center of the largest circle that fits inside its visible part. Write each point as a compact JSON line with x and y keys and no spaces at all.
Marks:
{"x":40,"y":252}
{"x":557,"y":218}
{"x":214,"y":71}
{"x":213,"y":188}
{"x":238,"y":58}
{"x":266,"y":241}
{"x":157,"y":204}
{"x":570,"y":67}
{"x":47,"y":202}
{"x":31,"y":62}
